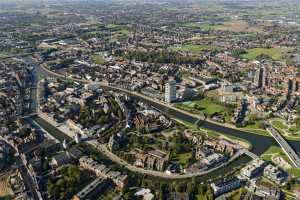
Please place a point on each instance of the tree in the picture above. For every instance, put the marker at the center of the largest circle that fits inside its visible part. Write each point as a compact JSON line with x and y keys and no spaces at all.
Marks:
{"x":103,"y":119}
{"x":67,"y":185}
{"x":297,"y":121}
{"x":180,"y":187}
{"x":209,"y":194}
{"x":190,"y":188}
{"x":202,"y":189}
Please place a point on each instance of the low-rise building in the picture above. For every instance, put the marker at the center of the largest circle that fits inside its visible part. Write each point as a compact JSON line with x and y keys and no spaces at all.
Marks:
{"x":225,"y":186}
{"x":275,"y":174}
{"x":94,"y":189}
{"x":101,"y":170}
{"x":253,"y":169}
{"x":213,"y":159}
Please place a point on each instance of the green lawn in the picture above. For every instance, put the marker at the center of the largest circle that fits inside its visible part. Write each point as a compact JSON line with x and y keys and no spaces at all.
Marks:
{"x":276,"y":151}
{"x":253,"y":126}
{"x":2,"y":55}
{"x":272,"y":150}
{"x":98,"y":59}
{"x":285,"y":129}
{"x":124,"y":31}
{"x":194,"y":48}
{"x":256,"y":129}
{"x":294,"y":129}
{"x":279,"y":124}
{"x":120,"y":29}
{"x":205,"y":105}
{"x":274,"y":53}
{"x":236,"y":194}
{"x":183,"y":158}
{"x":294,"y":172}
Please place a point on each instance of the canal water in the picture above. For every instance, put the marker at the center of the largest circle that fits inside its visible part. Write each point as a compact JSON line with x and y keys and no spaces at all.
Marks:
{"x":259,"y":143}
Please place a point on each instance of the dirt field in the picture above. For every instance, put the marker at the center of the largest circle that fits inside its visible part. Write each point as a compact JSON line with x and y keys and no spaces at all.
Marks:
{"x":237,"y":26}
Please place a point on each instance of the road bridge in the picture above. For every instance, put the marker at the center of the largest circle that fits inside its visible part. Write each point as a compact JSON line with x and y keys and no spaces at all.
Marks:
{"x":288,"y":150}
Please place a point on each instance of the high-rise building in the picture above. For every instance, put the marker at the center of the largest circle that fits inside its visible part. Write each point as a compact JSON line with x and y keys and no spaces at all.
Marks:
{"x":170,"y":91}
{"x":293,"y":85}
{"x":260,"y":79}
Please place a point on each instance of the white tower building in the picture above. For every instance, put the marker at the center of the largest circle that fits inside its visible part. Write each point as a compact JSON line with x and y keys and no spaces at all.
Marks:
{"x":170,"y":91}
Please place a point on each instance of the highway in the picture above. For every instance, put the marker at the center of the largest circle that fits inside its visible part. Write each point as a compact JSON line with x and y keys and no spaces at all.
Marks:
{"x":288,"y":150}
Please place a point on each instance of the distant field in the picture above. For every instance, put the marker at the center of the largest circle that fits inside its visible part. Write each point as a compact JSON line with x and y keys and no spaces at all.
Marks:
{"x":119,"y":31}
{"x":232,"y":26}
{"x":274,"y":53}
{"x":192,"y":48}
{"x":237,"y":26}
{"x":204,"y":27}
{"x":125,"y":31}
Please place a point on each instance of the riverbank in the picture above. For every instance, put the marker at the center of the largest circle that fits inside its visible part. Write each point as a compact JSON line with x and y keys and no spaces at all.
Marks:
{"x":260,"y":143}
{"x":244,"y":143}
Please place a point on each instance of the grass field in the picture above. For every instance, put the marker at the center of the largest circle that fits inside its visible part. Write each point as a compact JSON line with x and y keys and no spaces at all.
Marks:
{"x":279,"y":124}
{"x":287,"y":130}
{"x":192,"y":48}
{"x":183,"y":158}
{"x":205,"y":105}
{"x":274,"y":53}
{"x":124,"y":31}
{"x":271,"y":152}
{"x":257,"y":131}
{"x":275,"y":151}
{"x":294,"y":129}
{"x":119,"y":31}
{"x":236,"y":194}
{"x":253,"y":126}
{"x":294,"y":172}
{"x":98,"y":59}
{"x":2,"y":55}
